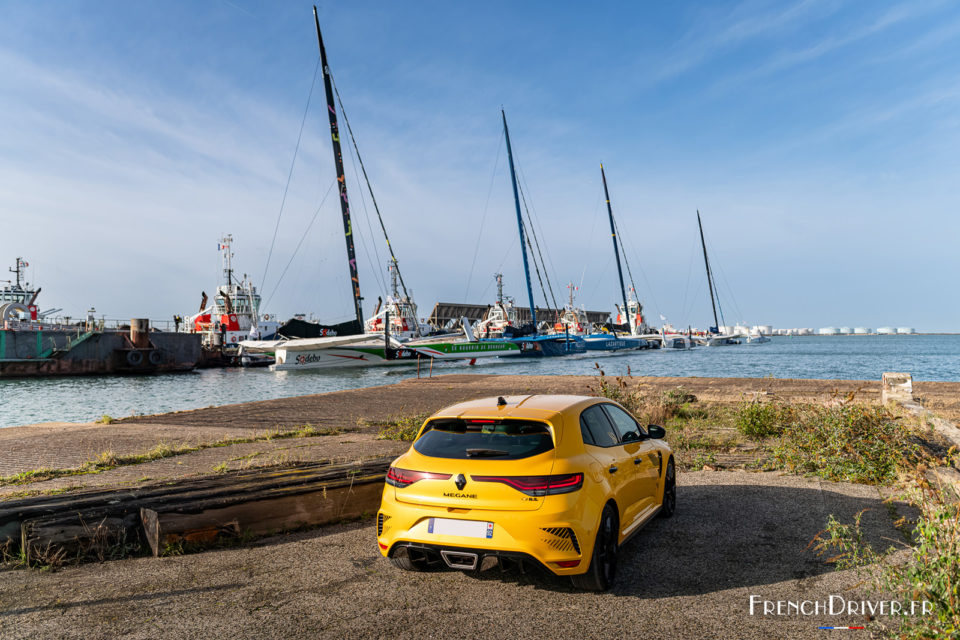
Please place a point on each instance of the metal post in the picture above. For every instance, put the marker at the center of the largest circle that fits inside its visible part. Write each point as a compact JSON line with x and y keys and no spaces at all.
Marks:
{"x":386,"y":334}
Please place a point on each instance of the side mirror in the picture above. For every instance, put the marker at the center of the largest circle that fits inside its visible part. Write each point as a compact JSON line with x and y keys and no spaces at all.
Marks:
{"x":656,"y":431}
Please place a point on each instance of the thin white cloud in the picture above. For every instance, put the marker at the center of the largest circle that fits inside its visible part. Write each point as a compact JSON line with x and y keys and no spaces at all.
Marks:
{"x":824,"y":46}
{"x":745,"y":22}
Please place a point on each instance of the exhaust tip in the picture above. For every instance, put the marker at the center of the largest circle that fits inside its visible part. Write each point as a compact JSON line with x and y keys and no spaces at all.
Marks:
{"x":459,"y":559}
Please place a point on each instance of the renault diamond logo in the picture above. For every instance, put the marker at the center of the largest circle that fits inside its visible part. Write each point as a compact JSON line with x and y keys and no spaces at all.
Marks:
{"x":461,"y":482}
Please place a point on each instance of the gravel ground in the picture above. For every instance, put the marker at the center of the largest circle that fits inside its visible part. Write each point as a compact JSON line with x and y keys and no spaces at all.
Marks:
{"x":691,"y":576}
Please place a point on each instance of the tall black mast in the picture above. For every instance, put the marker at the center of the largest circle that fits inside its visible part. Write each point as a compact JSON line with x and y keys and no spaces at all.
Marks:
{"x":516,"y":199}
{"x":616,"y":248}
{"x":341,"y":177}
{"x":706,"y":261}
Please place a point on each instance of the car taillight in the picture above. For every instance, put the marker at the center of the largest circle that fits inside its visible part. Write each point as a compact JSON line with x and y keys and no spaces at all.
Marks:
{"x":405,"y":478}
{"x":538,"y":485}
{"x":565,"y":564}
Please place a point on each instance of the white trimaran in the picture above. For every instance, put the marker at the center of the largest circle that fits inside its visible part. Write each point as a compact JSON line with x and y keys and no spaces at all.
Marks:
{"x":394,"y":335}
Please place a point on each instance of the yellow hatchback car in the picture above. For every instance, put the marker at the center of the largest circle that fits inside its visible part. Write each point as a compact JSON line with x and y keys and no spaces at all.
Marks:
{"x":561,"y":481}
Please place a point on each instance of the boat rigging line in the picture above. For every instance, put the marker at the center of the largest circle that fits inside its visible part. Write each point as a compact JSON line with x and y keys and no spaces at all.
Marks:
{"x":373,"y":199}
{"x":293,"y":163}
{"x":483,"y":219}
{"x":376,"y":267}
{"x":625,"y":261}
{"x":646,"y":280}
{"x":299,"y":244}
{"x":535,"y":220}
{"x":536,"y":242}
{"x":593,"y":226}
{"x":723,"y":276}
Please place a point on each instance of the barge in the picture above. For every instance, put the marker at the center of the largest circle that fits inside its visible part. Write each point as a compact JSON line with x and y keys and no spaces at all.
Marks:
{"x":32,"y":344}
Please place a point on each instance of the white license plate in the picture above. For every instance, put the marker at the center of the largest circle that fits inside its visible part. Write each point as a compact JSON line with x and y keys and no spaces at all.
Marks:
{"x":466,"y":528}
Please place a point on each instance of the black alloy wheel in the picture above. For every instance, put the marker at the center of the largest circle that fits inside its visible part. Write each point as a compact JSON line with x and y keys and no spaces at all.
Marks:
{"x":669,"y":504}
{"x":603,"y":564}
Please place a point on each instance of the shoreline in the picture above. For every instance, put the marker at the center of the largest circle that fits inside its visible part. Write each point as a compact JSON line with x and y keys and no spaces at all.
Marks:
{"x":347,"y":421}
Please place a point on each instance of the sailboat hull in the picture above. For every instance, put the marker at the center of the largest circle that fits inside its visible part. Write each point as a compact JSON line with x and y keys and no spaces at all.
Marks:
{"x":608,"y":342}
{"x":372,"y":355}
{"x":546,"y":346}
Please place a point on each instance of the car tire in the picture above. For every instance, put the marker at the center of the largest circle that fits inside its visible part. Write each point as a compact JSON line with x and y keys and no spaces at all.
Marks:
{"x":669,"y":503}
{"x":603,"y":563}
{"x":402,"y":559}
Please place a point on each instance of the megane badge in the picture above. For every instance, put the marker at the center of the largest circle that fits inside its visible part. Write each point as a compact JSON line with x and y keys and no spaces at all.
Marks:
{"x":461,"y":482}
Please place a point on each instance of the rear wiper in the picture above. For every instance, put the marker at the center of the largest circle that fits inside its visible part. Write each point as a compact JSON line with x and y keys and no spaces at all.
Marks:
{"x":486,"y":453}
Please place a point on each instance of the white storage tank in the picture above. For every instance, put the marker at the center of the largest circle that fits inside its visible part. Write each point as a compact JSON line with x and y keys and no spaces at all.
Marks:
{"x":862,"y":331}
{"x":829,"y":331}
{"x":845,"y":331}
{"x":765,"y":329}
{"x":886,"y":331}
{"x":906,"y":330}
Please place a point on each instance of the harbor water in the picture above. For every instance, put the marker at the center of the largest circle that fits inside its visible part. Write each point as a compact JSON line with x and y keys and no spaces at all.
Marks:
{"x":82,"y":399}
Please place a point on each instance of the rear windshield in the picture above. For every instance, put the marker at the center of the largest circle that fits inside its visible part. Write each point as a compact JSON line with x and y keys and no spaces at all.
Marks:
{"x":484,"y":439}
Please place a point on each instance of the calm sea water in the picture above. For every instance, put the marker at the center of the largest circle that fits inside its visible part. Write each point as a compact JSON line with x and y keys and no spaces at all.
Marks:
{"x":81,"y":399}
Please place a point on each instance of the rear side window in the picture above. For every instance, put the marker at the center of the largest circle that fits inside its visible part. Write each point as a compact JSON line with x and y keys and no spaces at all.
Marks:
{"x":626,"y":426}
{"x":596,"y":428}
{"x":484,"y":439}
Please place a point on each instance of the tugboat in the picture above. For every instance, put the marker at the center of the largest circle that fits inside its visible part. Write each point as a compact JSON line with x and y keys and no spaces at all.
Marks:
{"x":402,"y":311}
{"x":498,"y":317}
{"x":17,"y":301}
{"x":233,"y":317}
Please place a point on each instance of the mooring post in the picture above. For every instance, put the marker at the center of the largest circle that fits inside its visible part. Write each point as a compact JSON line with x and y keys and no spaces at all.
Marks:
{"x":431,"y":367}
{"x":386,"y":335}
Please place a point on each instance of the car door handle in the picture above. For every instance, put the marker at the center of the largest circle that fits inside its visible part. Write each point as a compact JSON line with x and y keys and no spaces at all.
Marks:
{"x":612,"y":469}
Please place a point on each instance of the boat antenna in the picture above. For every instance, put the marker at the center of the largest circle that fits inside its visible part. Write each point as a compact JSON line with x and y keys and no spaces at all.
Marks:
{"x":516,"y":199}
{"x":341,"y":177}
{"x":616,"y":249}
{"x":706,"y":261}
{"x":226,"y":246}
{"x":18,"y":270}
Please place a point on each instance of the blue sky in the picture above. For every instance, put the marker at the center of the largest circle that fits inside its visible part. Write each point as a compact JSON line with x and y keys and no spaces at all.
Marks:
{"x":818,"y":139}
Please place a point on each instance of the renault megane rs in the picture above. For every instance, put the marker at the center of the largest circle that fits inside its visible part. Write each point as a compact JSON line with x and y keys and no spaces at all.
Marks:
{"x":561,"y":481}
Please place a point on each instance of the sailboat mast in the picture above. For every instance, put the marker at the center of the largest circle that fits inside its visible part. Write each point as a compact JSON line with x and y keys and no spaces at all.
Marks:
{"x":616,"y":249}
{"x":706,"y":261}
{"x":341,"y":177}
{"x":516,"y":199}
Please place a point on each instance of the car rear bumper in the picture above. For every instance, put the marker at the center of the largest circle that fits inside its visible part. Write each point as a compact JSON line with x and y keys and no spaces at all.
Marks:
{"x":556,"y":536}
